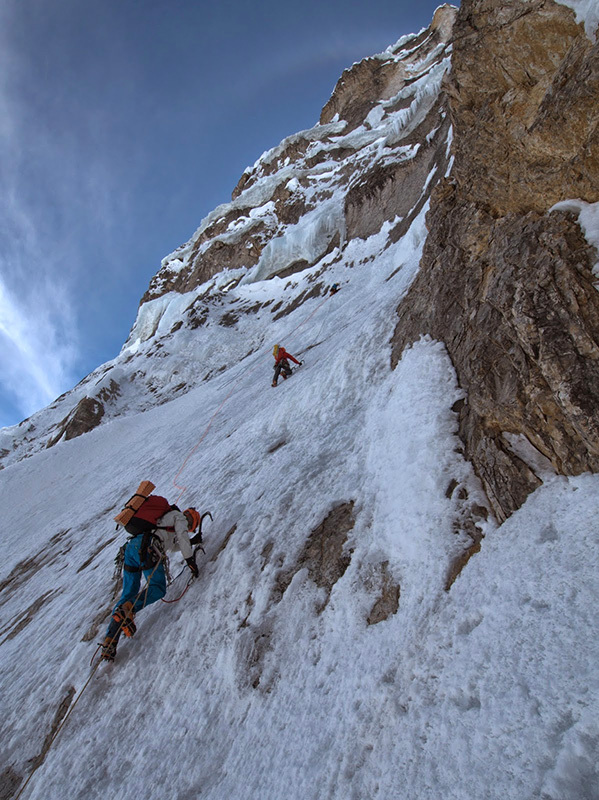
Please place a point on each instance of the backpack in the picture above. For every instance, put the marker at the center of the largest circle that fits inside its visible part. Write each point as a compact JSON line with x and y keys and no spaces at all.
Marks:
{"x":144,"y":490}
{"x":147,"y":515}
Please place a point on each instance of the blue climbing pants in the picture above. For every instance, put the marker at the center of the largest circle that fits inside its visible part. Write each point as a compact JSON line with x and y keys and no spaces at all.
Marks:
{"x":155,"y":577}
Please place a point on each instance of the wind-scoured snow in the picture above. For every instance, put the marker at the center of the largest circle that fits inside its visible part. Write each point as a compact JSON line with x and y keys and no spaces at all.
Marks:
{"x":488,"y":690}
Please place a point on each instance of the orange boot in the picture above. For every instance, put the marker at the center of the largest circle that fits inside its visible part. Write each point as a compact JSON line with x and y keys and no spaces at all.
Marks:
{"x":125,"y":616}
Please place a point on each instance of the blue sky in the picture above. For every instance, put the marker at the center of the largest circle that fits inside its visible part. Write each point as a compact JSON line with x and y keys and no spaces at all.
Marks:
{"x":122,"y":124}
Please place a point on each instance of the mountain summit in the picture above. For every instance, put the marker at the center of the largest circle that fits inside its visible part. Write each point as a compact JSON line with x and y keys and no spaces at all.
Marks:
{"x":398,"y":593}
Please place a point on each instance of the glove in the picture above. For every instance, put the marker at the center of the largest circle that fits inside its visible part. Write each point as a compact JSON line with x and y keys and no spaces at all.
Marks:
{"x":301,"y":362}
{"x":193,"y":566}
{"x":197,"y":539}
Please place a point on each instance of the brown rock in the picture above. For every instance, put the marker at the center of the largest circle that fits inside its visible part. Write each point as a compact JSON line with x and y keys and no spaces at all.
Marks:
{"x":362,"y":86}
{"x":523,"y":87}
{"x":505,"y":285}
{"x":323,"y":554}
{"x":394,"y":188}
{"x":388,"y":601}
{"x":86,"y":416}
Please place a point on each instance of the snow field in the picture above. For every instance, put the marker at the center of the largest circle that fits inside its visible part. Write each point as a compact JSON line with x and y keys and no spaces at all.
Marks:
{"x":487,"y":691}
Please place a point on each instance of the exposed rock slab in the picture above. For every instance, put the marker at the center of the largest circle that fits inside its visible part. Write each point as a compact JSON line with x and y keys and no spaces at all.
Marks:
{"x":86,"y":416}
{"x":505,"y":285}
{"x":367,"y":82}
{"x":387,"y":603}
{"x":395,"y":187}
{"x":324,"y":554}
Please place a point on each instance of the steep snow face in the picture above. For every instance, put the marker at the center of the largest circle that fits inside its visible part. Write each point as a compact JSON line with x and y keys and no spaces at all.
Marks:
{"x":320,"y":653}
{"x":295,"y":213}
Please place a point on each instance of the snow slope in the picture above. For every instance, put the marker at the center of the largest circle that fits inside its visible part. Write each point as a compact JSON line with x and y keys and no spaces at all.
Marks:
{"x":488,"y":690}
{"x":324,"y":653}
{"x":291,"y":209}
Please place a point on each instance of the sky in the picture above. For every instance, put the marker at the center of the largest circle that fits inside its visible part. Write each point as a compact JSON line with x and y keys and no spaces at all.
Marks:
{"x":122,"y":124}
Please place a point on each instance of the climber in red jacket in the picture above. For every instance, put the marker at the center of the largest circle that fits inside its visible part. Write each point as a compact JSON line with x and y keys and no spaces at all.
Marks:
{"x":282,"y":364}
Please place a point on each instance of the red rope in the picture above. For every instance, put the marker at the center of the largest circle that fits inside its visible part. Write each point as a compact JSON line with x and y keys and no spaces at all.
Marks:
{"x":176,"y":600}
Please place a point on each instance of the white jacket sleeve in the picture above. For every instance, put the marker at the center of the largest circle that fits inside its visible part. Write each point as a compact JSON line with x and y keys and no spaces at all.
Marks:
{"x":182,"y":534}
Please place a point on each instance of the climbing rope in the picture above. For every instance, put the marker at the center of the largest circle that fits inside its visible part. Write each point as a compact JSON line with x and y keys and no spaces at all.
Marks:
{"x":58,"y":730}
{"x":145,"y":589}
{"x":243,"y":375}
{"x":85,"y":685}
{"x":187,"y":585}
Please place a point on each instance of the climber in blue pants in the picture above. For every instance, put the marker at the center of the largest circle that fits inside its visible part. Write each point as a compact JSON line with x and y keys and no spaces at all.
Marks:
{"x":145,"y":555}
{"x":153,"y":571}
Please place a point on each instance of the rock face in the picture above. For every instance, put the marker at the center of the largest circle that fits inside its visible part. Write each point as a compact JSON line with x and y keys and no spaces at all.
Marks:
{"x":523,"y":90}
{"x":393,"y":188}
{"x":324,"y":553}
{"x":374,"y":79}
{"x":506,"y":285}
{"x":86,"y":416}
{"x":380,"y":99}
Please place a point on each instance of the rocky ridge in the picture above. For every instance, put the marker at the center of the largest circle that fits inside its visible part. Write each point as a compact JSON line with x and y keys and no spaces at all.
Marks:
{"x":505,"y":282}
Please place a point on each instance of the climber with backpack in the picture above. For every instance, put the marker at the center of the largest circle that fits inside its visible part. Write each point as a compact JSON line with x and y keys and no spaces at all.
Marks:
{"x":282,"y":365}
{"x":155,"y":527}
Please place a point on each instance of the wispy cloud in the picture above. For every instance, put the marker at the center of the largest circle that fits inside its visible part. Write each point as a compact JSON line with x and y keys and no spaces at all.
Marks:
{"x":37,"y":346}
{"x":53,"y":193}
{"x":38,"y":343}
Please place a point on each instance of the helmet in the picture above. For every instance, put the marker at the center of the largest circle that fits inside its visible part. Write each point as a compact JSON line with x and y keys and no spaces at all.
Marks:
{"x":275,"y":350}
{"x":194,"y":518}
